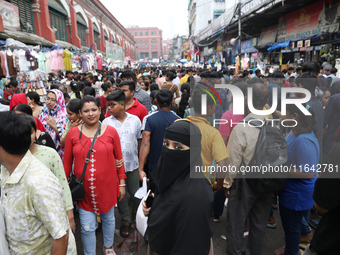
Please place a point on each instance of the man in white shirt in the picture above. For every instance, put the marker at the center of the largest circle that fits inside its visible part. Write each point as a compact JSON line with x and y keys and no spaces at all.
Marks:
{"x":128,"y":127}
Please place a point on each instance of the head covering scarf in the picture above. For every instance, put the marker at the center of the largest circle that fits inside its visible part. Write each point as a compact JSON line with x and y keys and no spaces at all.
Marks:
{"x":22,"y":99}
{"x":17,"y":99}
{"x":59,"y":113}
{"x":180,"y":221}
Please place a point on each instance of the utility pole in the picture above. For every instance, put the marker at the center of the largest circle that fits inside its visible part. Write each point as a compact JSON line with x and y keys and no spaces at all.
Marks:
{"x":239,"y":27}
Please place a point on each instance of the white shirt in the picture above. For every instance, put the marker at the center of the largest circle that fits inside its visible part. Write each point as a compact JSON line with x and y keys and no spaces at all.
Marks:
{"x":129,"y":132}
{"x":3,"y":242}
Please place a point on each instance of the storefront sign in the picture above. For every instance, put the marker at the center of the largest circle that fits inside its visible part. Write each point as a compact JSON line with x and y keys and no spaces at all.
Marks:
{"x":114,"y":51}
{"x":295,"y":49}
{"x":313,"y":19}
{"x":10,"y":15}
{"x":286,"y":51}
{"x":307,"y":43}
{"x":246,"y":47}
{"x":318,"y":47}
{"x":303,"y":49}
{"x":310,"y":48}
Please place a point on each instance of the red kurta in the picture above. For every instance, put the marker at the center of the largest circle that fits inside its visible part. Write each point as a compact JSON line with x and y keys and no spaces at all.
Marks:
{"x":101,"y":180}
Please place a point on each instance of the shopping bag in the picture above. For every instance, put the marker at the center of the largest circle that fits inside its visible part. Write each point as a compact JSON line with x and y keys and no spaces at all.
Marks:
{"x":141,"y":192}
{"x":141,"y":219}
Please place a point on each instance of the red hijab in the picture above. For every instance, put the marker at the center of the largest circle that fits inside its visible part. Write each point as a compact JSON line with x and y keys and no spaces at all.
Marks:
{"x":21,"y":99}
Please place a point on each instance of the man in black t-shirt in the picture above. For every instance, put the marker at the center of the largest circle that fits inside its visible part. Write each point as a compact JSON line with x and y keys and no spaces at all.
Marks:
{"x":327,"y":201}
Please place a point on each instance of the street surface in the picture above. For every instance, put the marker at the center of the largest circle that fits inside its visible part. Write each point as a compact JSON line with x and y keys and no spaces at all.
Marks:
{"x":274,"y":238}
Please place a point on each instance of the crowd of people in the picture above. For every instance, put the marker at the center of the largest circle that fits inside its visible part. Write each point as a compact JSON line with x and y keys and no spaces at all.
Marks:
{"x":109,"y":129}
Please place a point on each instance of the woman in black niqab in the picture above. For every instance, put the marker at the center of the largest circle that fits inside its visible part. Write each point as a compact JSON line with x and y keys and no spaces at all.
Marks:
{"x":181,"y":219}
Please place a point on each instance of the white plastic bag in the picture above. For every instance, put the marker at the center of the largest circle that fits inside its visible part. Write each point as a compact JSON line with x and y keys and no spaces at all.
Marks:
{"x":141,"y":192}
{"x":141,"y":219}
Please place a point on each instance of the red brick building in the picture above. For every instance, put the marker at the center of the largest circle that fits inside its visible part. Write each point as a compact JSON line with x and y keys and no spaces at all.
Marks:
{"x":78,"y":22}
{"x":149,"y":42}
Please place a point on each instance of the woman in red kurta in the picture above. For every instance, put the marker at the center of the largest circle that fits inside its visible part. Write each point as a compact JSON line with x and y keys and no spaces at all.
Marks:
{"x":103,"y":182}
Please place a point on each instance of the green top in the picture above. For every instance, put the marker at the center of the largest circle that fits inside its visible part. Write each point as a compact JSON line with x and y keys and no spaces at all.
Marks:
{"x":52,"y":160}
{"x":67,"y":128}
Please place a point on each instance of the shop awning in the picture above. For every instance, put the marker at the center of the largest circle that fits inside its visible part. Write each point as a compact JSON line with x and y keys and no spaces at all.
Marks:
{"x":26,"y":38}
{"x":278,"y":45}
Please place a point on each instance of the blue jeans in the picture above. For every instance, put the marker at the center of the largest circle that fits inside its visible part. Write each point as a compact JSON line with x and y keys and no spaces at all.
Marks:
{"x":88,"y":222}
{"x":292,"y":225}
{"x":305,"y":226}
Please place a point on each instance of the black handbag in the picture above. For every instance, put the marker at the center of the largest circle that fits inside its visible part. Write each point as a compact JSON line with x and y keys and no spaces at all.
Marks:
{"x":76,"y":184}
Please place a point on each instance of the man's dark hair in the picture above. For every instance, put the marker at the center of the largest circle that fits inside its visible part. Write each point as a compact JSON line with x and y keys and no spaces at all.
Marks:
{"x":311,"y":67}
{"x":89,"y":91}
{"x":335,"y":89}
{"x":15,"y":133}
{"x":257,"y":71}
{"x":254,"y":80}
{"x":260,"y":95}
{"x":90,"y":77}
{"x":128,"y":75}
{"x":164,"y":98}
{"x":87,"y":84}
{"x":196,"y":98}
{"x":68,"y":72}
{"x":308,"y":81}
{"x":334,"y":70}
{"x":23,"y":108}
{"x":171,"y":75}
{"x":284,"y":71}
{"x":290,"y":68}
{"x":13,"y":83}
{"x":118,"y":96}
{"x":131,"y":84}
{"x":277,"y":75}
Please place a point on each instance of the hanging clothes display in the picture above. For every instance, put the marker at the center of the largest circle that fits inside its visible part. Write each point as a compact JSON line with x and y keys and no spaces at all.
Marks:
{"x":84,"y":66}
{"x":54,"y":61}
{"x":41,"y":61}
{"x":24,"y":64}
{"x":99,"y":63}
{"x":61,"y":64}
{"x":3,"y":72}
{"x":10,"y":61}
{"x":48,"y":62}
{"x":67,"y":60}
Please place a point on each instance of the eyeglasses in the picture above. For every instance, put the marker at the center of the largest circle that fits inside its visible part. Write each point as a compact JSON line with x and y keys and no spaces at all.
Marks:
{"x":112,"y":105}
{"x":51,"y":99}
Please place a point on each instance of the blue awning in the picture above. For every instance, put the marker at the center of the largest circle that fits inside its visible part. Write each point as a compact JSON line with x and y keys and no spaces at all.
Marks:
{"x":278,"y":45}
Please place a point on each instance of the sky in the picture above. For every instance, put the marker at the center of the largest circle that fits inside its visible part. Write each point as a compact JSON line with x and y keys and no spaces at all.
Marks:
{"x":169,"y":15}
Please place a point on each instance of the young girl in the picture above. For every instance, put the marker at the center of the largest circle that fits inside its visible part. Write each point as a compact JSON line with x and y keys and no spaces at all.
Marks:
{"x":73,"y":116}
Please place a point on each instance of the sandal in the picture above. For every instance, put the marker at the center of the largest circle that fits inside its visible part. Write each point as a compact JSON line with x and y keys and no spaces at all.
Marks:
{"x":109,"y":251}
{"x":125,"y":230}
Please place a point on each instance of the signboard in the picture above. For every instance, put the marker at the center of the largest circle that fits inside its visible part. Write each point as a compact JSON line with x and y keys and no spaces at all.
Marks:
{"x":313,"y":19}
{"x":247,"y":46}
{"x":307,"y":43}
{"x":300,"y":44}
{"x":303,"y":49}
{"x":10,"y":15}
{"x":286,"y":51}
{"x":114,"y":51}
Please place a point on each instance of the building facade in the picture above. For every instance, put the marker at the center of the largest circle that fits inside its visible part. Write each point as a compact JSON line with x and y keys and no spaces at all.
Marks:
{"x":81,"y":23}
{"x":166,"y":48}
{"x":149,"y":42}
{"x":203,"y":12}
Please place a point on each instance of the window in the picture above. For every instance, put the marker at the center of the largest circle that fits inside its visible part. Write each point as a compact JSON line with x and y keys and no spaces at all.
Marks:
{"x":25,"y":13}
{"x":141,"y":33}
{"x":136,"y":33}
{"x":96,"y":38}
{"x":82,"y":33}
{"x":144,"y":55}
{"x":154,"y":54}
{"x":146,"y":44}
{"x":218,"y":13}
{"x":58,"y":24}
{"x":106,"y":38}
{"x":146,"y":33}
{"x":154,"y":44}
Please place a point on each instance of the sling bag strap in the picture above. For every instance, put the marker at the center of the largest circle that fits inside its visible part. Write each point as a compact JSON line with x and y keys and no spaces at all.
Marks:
{"x":87,"y":160}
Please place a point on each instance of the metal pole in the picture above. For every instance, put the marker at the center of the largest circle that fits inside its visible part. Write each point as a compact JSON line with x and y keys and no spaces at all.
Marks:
{"x":239,"y":27}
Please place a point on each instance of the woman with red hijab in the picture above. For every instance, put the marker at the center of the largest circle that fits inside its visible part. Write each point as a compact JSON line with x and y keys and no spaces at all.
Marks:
{"x":22,"y":99}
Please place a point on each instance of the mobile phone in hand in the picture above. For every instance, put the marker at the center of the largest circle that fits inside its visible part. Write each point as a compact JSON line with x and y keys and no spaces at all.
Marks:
{"x":148,"y":199}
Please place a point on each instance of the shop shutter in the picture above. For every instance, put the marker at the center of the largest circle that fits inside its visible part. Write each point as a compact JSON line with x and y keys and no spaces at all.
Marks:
{"x":58,"y":21}
{"x":25,"y":13}
{"x":82,"y":33}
